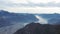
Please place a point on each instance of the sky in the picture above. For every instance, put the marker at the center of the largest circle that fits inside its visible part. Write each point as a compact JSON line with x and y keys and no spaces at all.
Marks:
{"x":30,"y":6}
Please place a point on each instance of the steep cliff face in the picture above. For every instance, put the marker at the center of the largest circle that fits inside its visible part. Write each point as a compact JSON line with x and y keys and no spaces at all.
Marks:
{"x":36,"y":28}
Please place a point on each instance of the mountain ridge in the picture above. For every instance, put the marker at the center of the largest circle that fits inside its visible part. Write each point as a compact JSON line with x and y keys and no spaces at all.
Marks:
{"x":37,"y":28}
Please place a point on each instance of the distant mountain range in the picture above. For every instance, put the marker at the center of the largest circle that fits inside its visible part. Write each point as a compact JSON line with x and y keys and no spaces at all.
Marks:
{"x":7,"y":18}
{"x":36,"y":28}
{"x":12,"y":18}
{"x":51,"y":18}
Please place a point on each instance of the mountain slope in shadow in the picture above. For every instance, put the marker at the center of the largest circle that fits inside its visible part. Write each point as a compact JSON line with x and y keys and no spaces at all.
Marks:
{"x":36,"y":28}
